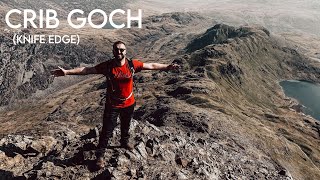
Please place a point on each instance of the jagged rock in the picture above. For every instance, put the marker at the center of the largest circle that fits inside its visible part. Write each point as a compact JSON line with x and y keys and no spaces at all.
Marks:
{"x":167,"y":155}
{"x":264,"y":171}
{"x":151,"y":147}
{"x":182,"y":161}
{"x":153,"y":127}
{"x":194,"y":162}
{"x":283,"y":172}
{"x":146,"y":130}
{"x":269,"y":115}
{"x":134,"y":123}
{"x":140,"y":172}
{"x":180,"y":141}
{"x":181,"y":175}
{"x":172,"y":81}
{"x":49,"y":170}
{"x":123,"y":161}
{"x":118,"y":175}
{"x":18,"y":141}
{"x":231,"y":70}
{"x":201,"y":141}
{"x":208,"y":174}
{"x":142,"y":150}
{"x":44,"y":145}
{"x":17,"y":144}
{"x":10,"y":162}
{"x":216,"y":35}
{"x":67,"y":134}
{"x":93,"y":133}
{"x":180,"y":91}
{"x":214,"y":53}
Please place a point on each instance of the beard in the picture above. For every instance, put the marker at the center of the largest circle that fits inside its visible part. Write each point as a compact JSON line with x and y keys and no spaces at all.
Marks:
{"x":119,"y":56}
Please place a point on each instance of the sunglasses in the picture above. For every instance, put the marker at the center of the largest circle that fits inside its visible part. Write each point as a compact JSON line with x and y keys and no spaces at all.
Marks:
{"x":117,"y":49}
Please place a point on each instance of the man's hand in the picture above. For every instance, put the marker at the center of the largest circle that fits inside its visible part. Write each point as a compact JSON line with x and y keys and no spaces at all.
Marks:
{"x":59,"y":72}
{"x":173,"y":66}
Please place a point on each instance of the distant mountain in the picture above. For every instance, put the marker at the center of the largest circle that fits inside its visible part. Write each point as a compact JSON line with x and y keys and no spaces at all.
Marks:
{"x":63,"y":7}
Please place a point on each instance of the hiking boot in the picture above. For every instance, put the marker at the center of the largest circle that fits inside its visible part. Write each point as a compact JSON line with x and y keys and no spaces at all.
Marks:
{"x":100,"y":163}
{"x":127,"y":145}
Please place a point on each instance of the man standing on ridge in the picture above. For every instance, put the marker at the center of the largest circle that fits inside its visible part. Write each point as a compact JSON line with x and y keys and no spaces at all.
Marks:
{"x":120,"y":99}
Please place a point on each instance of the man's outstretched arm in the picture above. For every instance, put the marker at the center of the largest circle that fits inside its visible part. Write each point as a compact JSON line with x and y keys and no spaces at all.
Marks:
{"x":158,"y":66}
{"x":76,"y":71}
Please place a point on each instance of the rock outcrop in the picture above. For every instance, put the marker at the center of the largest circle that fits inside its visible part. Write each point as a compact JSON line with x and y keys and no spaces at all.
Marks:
{"x":189,"y":156}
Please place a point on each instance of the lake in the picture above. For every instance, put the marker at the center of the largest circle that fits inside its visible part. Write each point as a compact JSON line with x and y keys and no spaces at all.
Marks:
{"x":308,"y":94}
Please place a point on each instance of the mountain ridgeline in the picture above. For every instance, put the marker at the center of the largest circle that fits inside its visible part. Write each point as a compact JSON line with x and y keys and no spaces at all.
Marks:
{"x":219,"y":34}
{"x":64,"y":7}
{"x":222,"y":115}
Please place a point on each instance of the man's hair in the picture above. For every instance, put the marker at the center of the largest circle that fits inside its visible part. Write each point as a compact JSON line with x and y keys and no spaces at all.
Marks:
{"x":116,"y":43}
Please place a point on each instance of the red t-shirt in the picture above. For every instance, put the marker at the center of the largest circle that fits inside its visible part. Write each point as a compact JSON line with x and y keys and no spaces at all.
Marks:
{"x":121,"y":82}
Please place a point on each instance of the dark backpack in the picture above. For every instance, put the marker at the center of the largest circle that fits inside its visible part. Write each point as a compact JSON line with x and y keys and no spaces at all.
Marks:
{"x":110,"y":77}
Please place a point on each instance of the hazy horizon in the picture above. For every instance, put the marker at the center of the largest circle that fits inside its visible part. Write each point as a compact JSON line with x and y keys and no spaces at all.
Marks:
{"x":279,"y":16}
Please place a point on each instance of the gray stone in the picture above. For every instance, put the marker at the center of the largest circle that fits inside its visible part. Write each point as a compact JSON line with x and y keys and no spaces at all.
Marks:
{"x":182,"y":161}
{"x":44,"y":145}
{"x":181,"y":176}
{"x":142,"y":150}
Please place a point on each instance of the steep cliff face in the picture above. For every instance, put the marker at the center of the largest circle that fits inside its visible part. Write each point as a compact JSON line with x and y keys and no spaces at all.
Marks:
{"x":246,"y":69}
{"x":250,"y":61}
{"x":221,"y":116}
{"x":238,"y":75}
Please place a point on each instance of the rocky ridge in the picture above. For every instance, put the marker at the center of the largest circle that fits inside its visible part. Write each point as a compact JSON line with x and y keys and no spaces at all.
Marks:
{"x":66,"y":154}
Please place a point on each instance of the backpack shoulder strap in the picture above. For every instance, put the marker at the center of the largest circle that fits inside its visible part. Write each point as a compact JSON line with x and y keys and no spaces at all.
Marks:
{"x":131,"y":66}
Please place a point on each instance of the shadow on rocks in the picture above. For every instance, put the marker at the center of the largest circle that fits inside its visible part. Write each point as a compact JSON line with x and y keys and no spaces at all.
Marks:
{"x":105,"y":175}
{"x":78,"y":158}
{"x":6,"y":174}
